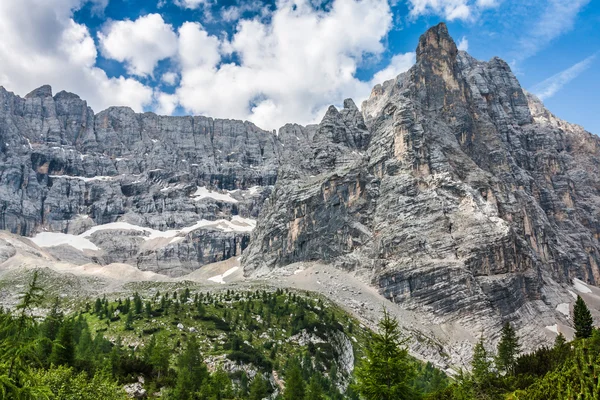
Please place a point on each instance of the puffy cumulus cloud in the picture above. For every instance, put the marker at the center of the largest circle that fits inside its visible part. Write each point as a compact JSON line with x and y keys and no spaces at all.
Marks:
{"x":449,"y":9}
{"x":289,"y":67}
{"x":140,"y":44}
{"x":41,"y":44}
{"x":399,"y":63}
{"x":170,"y":78}
{"x":165,"y":103}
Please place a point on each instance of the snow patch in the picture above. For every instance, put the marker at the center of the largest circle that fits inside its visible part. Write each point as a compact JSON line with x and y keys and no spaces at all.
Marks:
{"x":563,"y":308}
{"x":50,"y":239}
{"x":553,"y":328}
{"x":81,"y":242}
{"x":83,"y":178}
{"x":220,"y":278}
{"x":203,"y":193}
{"x":581,"y":286}
{"x":573,"y":294}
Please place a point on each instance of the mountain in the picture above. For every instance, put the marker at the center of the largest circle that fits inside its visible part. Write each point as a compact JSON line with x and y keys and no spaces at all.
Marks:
{"x":453,"y":192}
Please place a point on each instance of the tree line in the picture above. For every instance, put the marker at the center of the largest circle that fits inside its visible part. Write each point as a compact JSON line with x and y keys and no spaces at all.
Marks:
{"x":77,"y":356}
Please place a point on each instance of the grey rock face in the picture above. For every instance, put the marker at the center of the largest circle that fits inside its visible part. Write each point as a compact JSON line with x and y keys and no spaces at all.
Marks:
{"x":464,"y":197}
{"x":65,"y":169}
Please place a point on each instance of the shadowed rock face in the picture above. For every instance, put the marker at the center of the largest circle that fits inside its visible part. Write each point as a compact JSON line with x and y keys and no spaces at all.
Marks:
{"x":466,"y":198}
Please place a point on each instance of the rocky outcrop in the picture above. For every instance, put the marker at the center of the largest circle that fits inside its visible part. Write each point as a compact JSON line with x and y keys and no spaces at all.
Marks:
{"x":464,"y":197}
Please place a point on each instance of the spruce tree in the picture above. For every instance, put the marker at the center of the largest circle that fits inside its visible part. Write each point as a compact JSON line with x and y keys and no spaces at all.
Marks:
{"x":294,"y":383}
{"x":387,"y":372}
{"x":314,"y":391}
{"x":481,"y":364}
{"x":192,"y":372}
{"x":582,"y":319}
{"x":258,"y":388}
{"x":508,"y":349}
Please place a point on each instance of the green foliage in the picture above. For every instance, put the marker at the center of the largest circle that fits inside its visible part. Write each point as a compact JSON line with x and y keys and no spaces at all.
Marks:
{"x":582,"y":319}
{"x":258,"y":388}
{"x":508,"y":349}
{"x":294,"y":382}
{"x":65,"y":384}
{"x":19,"y":342}
{"x":63,"y":347}
{"x":112,"y":342}
{"x":387,"y":371}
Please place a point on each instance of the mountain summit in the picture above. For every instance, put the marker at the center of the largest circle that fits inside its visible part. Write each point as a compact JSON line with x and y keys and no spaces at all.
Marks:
{"x":452,"y":192}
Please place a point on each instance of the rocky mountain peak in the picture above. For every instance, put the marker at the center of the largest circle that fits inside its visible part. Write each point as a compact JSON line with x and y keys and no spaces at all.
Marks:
{"x":42,"y":91}
{"x":436,"y":43}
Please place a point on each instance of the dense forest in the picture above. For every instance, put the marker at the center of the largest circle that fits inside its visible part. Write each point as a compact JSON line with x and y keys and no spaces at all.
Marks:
{"x":261,"y":344}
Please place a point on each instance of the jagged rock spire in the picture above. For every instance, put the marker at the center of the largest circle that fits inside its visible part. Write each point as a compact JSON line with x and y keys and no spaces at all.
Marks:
{"x":436,"y":43}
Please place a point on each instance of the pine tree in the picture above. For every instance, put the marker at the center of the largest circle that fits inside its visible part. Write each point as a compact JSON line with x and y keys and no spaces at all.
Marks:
{"x":387,"y":371}
{"x":582,"y":319}
{"x":129,"y":321}
{"x":294,"y":383}
{"x":192,"y":372}
{"x":508,"y":349}
{"x":18,"y":344}
{"x":481,"y":365}
{"x":63,"y":347}
{"x":314,"y":390}
{"x":258,"y":388}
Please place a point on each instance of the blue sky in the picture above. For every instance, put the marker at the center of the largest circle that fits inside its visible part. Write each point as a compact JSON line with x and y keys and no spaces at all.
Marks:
{"x":285,"y":61}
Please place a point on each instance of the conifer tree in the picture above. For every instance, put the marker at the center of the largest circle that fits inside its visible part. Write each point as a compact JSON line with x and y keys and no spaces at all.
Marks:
{"x":508,"y":349}
{"x":258,"y":388}
{"x":481,"y":364}
{"x":582,"y":319}
{"x":387,"y":372}
{"x":63,"y":348}
{"x":294,"y":383}
{"x":314,"y":391}
{"x":18,"y":348}
{"x":192,"y":372}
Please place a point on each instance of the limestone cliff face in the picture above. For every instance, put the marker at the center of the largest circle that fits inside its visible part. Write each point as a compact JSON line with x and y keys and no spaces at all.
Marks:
{"x":65,"y":169}
{"x":465,"y":198}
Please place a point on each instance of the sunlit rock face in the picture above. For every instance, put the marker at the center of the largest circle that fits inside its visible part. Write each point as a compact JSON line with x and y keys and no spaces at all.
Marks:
{"x":455,"y":193}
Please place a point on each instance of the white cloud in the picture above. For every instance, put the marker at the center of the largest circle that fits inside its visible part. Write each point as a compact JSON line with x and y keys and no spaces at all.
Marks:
{"x":290,"y":67}
{"x":550,"y":86}
{"x":140,"y":44}
{"x":170,"y":78}
{"x":463,"y":44}
{"x":41,"y":44}
{"x":557,"y":17}
{"x":166,"y":103}
{"x":399,"y":63}
{"x":191,"y":4}
{"x":449,"y":9}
